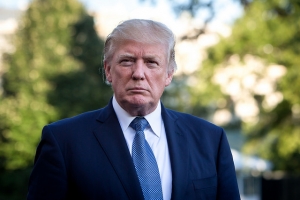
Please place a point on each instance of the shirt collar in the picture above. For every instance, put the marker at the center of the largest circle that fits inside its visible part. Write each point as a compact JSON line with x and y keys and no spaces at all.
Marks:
{"x":154,"y":118}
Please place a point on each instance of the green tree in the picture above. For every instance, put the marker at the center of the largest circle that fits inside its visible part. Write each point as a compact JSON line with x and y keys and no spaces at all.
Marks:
{"x":42,"y":52}
{"x":82,"y":89}
{"x":263,"y":51}
{"x":253,"y":75}
{"x":52,"y":74}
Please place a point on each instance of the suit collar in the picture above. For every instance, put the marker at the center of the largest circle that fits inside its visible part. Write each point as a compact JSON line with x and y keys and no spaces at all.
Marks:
{"x":111,"y":139}
{"x":154,"y":118}
{"x":178,"y":149}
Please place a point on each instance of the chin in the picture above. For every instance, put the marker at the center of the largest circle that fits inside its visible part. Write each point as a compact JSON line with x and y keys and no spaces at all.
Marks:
{"x":138,"y":101}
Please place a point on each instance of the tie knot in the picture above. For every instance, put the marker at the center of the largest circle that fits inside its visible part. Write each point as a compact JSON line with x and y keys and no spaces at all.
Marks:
{"x":139,"y":124}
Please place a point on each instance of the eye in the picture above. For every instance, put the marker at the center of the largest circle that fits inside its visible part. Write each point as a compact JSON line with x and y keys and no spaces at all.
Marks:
{"x":126,"y":62}
{"x":152,"y":63}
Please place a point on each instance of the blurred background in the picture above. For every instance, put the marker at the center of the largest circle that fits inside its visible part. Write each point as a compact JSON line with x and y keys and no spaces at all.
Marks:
{"x":238,"y":67}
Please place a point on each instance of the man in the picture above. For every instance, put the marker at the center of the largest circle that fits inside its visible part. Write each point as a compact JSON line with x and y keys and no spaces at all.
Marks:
{"x":101,"y":154}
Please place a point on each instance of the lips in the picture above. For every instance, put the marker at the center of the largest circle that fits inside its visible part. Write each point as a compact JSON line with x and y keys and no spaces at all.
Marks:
{"x":137,"y":89}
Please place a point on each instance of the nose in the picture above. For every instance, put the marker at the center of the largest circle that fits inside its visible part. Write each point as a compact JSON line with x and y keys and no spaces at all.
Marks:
{"x":138,"y":72}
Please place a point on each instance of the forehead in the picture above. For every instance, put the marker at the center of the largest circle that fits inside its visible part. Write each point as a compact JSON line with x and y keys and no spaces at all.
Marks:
{"x":133,"y":48}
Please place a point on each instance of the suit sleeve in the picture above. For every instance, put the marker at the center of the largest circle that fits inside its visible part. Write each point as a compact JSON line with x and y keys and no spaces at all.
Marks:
{"x":48,"y":179}
{"x":227,"y":183}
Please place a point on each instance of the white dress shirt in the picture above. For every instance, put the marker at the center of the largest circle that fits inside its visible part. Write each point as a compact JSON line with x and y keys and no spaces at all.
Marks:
{"x":155,"y":136}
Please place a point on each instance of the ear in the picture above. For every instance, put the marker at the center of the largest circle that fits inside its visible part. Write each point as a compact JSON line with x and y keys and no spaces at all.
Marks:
{"x":107,"y":68}
{"x":169,"y":78}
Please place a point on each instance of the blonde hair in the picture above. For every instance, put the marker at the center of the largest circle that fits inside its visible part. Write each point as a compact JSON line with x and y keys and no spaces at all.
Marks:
{"x":144,"y":31}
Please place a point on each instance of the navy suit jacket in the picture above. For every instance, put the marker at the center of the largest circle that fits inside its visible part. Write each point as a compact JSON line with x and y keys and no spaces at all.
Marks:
{"x":86,"y":157}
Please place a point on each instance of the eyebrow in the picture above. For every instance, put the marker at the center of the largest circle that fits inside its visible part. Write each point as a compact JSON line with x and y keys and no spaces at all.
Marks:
{"x":151,"y":57}
{"x":132,"y":56}
{"x":126,"y":55}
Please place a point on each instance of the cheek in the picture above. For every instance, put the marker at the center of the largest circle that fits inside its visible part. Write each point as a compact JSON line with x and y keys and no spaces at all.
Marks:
{"x":121,"y":76}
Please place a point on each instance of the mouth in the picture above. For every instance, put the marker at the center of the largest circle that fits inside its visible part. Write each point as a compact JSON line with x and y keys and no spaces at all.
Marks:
{"x":137,"y":90}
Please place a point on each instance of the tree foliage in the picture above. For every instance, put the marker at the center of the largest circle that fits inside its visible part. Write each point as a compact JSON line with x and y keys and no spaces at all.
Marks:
{"x":53,"y":73}
{"x":252,"y":75}
{"x":263,"y":51}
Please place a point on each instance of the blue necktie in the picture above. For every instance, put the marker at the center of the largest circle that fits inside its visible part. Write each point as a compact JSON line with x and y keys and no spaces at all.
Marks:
{"x":145,"y":162}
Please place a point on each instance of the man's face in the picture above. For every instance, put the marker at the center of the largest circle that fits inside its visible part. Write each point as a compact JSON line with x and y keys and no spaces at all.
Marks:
{"x":138,"y":74}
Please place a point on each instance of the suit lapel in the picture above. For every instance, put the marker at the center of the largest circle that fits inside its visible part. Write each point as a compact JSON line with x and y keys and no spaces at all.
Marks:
{"x":111,"y":139}
{"x":110,"y":136}
{"x":178,"y":150}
